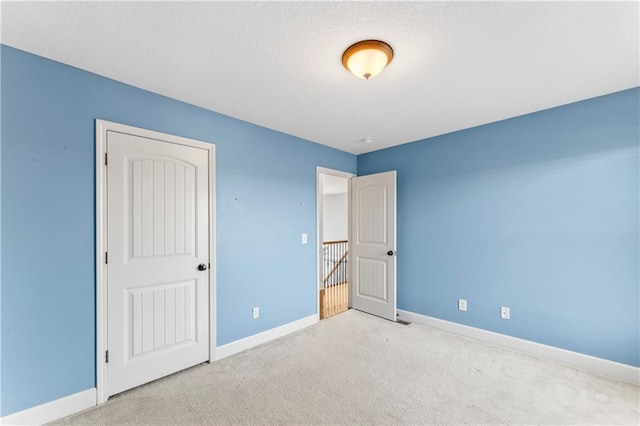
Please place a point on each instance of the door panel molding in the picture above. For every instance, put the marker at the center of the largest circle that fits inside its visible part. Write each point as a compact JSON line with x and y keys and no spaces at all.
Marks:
{"x":102,"y":128}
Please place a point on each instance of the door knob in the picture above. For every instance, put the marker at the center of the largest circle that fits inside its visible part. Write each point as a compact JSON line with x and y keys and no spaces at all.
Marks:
{"x":202,"y":267}
{"x":390,"y":253}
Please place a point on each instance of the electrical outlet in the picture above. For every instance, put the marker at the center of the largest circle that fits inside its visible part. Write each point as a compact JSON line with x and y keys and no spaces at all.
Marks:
{"x":505,"y":313}
{"x":256,"y":312}
{"x":462,"y":305}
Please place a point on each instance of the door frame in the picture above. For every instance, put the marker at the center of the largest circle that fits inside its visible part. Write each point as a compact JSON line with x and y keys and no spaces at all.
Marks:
{"x":319,"y":227}
{"x":101,"y":129}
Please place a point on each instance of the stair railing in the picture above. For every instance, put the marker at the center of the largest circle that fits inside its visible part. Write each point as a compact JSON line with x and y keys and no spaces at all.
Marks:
{"x":334,"y":295}
{"x":335,"y":262}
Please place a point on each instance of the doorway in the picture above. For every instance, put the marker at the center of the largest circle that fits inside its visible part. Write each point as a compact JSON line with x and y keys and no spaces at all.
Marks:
{"x":333,"y":242}
{"x":155,"y":240}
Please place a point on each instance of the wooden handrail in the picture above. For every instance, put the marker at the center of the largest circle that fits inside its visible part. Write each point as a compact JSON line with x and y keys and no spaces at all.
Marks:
{"x":338,"y":263}
{"x":335,"y":242}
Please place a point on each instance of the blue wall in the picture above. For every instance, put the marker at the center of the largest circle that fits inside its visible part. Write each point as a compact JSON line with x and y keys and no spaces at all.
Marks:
{"x":266,"y":192}
{"x":538,"y":213}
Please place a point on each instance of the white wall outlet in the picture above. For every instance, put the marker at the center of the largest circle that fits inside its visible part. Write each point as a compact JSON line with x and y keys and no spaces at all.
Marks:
{"x":256,"y":312}
{"x":462,"y":305}
{"x":505,"y":313}
{"x":304,"y":238}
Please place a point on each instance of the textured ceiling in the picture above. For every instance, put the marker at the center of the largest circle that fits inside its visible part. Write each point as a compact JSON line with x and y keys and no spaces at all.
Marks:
{"x":278,"y":64}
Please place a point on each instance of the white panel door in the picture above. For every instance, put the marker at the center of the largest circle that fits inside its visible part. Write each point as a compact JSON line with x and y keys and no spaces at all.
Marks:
{"x":373,"y":244}
{"x":158,"y":258}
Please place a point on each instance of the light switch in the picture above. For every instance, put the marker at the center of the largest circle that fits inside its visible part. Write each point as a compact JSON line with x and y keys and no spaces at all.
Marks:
{"x":304,"y":238}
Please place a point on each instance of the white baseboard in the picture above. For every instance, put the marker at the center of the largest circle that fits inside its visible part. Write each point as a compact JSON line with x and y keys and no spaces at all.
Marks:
{"x":264,"y":337}
{"x":53,"y":410}
{"x":604,"y":367}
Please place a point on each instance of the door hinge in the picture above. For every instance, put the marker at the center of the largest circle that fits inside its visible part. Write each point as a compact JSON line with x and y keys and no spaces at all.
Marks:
{"x":106,"y":161}
{"x":106,"y":356}
{"x":106,"y":257}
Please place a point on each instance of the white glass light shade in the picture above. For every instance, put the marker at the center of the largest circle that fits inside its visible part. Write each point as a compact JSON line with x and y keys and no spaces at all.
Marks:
{"x":367,"y":58}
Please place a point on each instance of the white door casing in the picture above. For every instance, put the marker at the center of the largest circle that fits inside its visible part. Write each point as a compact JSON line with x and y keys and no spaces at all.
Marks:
{"x":373,"y":244}
{"x":157,"y":229}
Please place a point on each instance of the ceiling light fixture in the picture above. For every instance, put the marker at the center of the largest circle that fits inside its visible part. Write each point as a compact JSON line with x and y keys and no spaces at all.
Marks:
{"x":367,"y":58}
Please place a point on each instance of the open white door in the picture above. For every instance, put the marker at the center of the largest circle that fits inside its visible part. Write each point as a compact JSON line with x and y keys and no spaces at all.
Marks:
{"x":158,"y":247}
{"x":373,"y":244}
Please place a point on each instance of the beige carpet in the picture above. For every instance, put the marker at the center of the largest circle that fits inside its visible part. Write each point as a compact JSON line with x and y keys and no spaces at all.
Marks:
{"x":357,"y":369}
